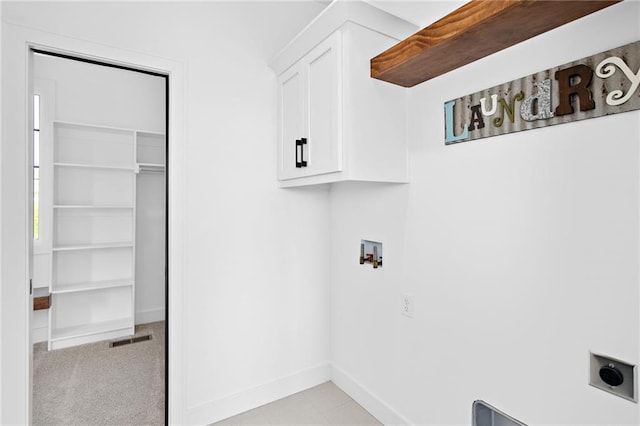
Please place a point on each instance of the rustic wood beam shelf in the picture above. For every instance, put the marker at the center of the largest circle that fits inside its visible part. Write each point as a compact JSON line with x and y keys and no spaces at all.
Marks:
{"x":475,"y":30}
{"x":41,"y":299}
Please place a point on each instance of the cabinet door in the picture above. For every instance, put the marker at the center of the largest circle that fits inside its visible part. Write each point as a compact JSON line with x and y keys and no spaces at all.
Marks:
{"x":291,"y":91}
{"x":324,"y":103}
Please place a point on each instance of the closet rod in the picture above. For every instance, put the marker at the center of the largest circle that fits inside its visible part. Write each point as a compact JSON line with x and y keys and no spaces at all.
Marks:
{"x":149,"y":168}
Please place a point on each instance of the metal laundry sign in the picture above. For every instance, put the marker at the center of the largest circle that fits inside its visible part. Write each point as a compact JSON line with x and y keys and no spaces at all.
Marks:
{"x":602,"y":84}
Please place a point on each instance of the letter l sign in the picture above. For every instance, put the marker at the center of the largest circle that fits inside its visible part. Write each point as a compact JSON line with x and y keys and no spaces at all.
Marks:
{"x":449,"y":137}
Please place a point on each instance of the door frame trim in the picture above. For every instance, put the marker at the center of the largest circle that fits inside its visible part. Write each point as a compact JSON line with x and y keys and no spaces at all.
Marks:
{"x":15,"y":303}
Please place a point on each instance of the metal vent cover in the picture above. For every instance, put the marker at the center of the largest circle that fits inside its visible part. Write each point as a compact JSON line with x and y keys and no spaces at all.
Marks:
{"x":128,"y":340}
{"x":486,"y":415}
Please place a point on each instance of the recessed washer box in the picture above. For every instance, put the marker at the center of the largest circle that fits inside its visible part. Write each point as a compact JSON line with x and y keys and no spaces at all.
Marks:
{"x":371,"y":252}
{"x":486,"y":415}
{"x":613,"y":375}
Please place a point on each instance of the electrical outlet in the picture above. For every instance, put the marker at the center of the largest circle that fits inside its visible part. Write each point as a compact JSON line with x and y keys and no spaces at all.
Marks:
{"x":406,"y":305}
{"x":613,"y":376}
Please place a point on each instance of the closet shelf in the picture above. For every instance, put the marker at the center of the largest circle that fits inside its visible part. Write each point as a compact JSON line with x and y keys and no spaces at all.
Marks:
{"x":91,"y":206}
{"x":102,"y":127}
{"x":89,"y":286}
{"x":149,"y":133}
{"x":149,"y":167}
{"x":90,"y":329}
{"x":93,"y":166}
{"x":93,"y":246}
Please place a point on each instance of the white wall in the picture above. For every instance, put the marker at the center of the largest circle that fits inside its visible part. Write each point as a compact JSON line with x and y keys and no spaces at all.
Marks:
{"x":128,"y":100}
{"x":1,"y":271}
{"x":150,"y":247}
{"x":511,"y":247}
{"x":256,"y":289}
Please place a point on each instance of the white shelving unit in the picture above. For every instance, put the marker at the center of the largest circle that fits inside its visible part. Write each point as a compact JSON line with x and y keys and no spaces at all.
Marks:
{"x":94,"y":229}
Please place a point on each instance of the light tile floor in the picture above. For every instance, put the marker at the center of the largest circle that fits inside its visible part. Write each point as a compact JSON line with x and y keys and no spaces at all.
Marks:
{"x":324,"y":405}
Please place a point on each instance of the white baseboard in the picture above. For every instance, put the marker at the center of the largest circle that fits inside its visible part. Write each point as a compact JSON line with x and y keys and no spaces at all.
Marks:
{"x":40,"y":334}
{"x":220,"y":409}
{"x":367,"y":399}
{"x":150,"y":315}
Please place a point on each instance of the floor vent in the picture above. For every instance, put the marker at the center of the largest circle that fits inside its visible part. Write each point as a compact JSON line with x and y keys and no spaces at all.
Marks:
{"x":128,"y":340}
{"x":141,"y":338}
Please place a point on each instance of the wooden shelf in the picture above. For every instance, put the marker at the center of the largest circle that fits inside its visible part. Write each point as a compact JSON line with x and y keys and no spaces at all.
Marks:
{"x":41,"y":298}
{"x":475,"y":30}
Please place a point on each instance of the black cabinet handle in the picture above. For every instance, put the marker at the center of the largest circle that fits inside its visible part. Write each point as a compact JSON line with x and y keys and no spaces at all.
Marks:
{"x":300,"y":162}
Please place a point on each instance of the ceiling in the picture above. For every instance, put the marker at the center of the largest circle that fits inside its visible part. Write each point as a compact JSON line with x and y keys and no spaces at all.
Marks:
{"x":419,"y":12}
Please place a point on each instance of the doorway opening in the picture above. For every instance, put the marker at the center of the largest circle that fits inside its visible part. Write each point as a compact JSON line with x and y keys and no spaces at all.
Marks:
{"x":99,"y":261}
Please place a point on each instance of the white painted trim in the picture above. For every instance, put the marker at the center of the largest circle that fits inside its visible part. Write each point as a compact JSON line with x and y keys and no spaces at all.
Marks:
{"x":1,"y":271}
{"x":248,"y":399}
{"x":15,"y":348}
{"x":15,"y":310}
{"x":150,"y":315}
{"x":231,"y":405}
{"x":367,"y":399}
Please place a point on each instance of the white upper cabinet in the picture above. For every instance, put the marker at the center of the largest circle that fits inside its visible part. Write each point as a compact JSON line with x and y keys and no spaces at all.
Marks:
{"x":336,"y":123}
{"x":310,"y":100}
{"x":291,"y":126}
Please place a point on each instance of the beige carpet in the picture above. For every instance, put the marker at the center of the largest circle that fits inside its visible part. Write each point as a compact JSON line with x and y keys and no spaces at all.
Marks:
{"x":97,"y":385}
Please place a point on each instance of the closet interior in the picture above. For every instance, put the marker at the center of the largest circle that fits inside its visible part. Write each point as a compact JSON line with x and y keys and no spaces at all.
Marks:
{"x":101,"y":207}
